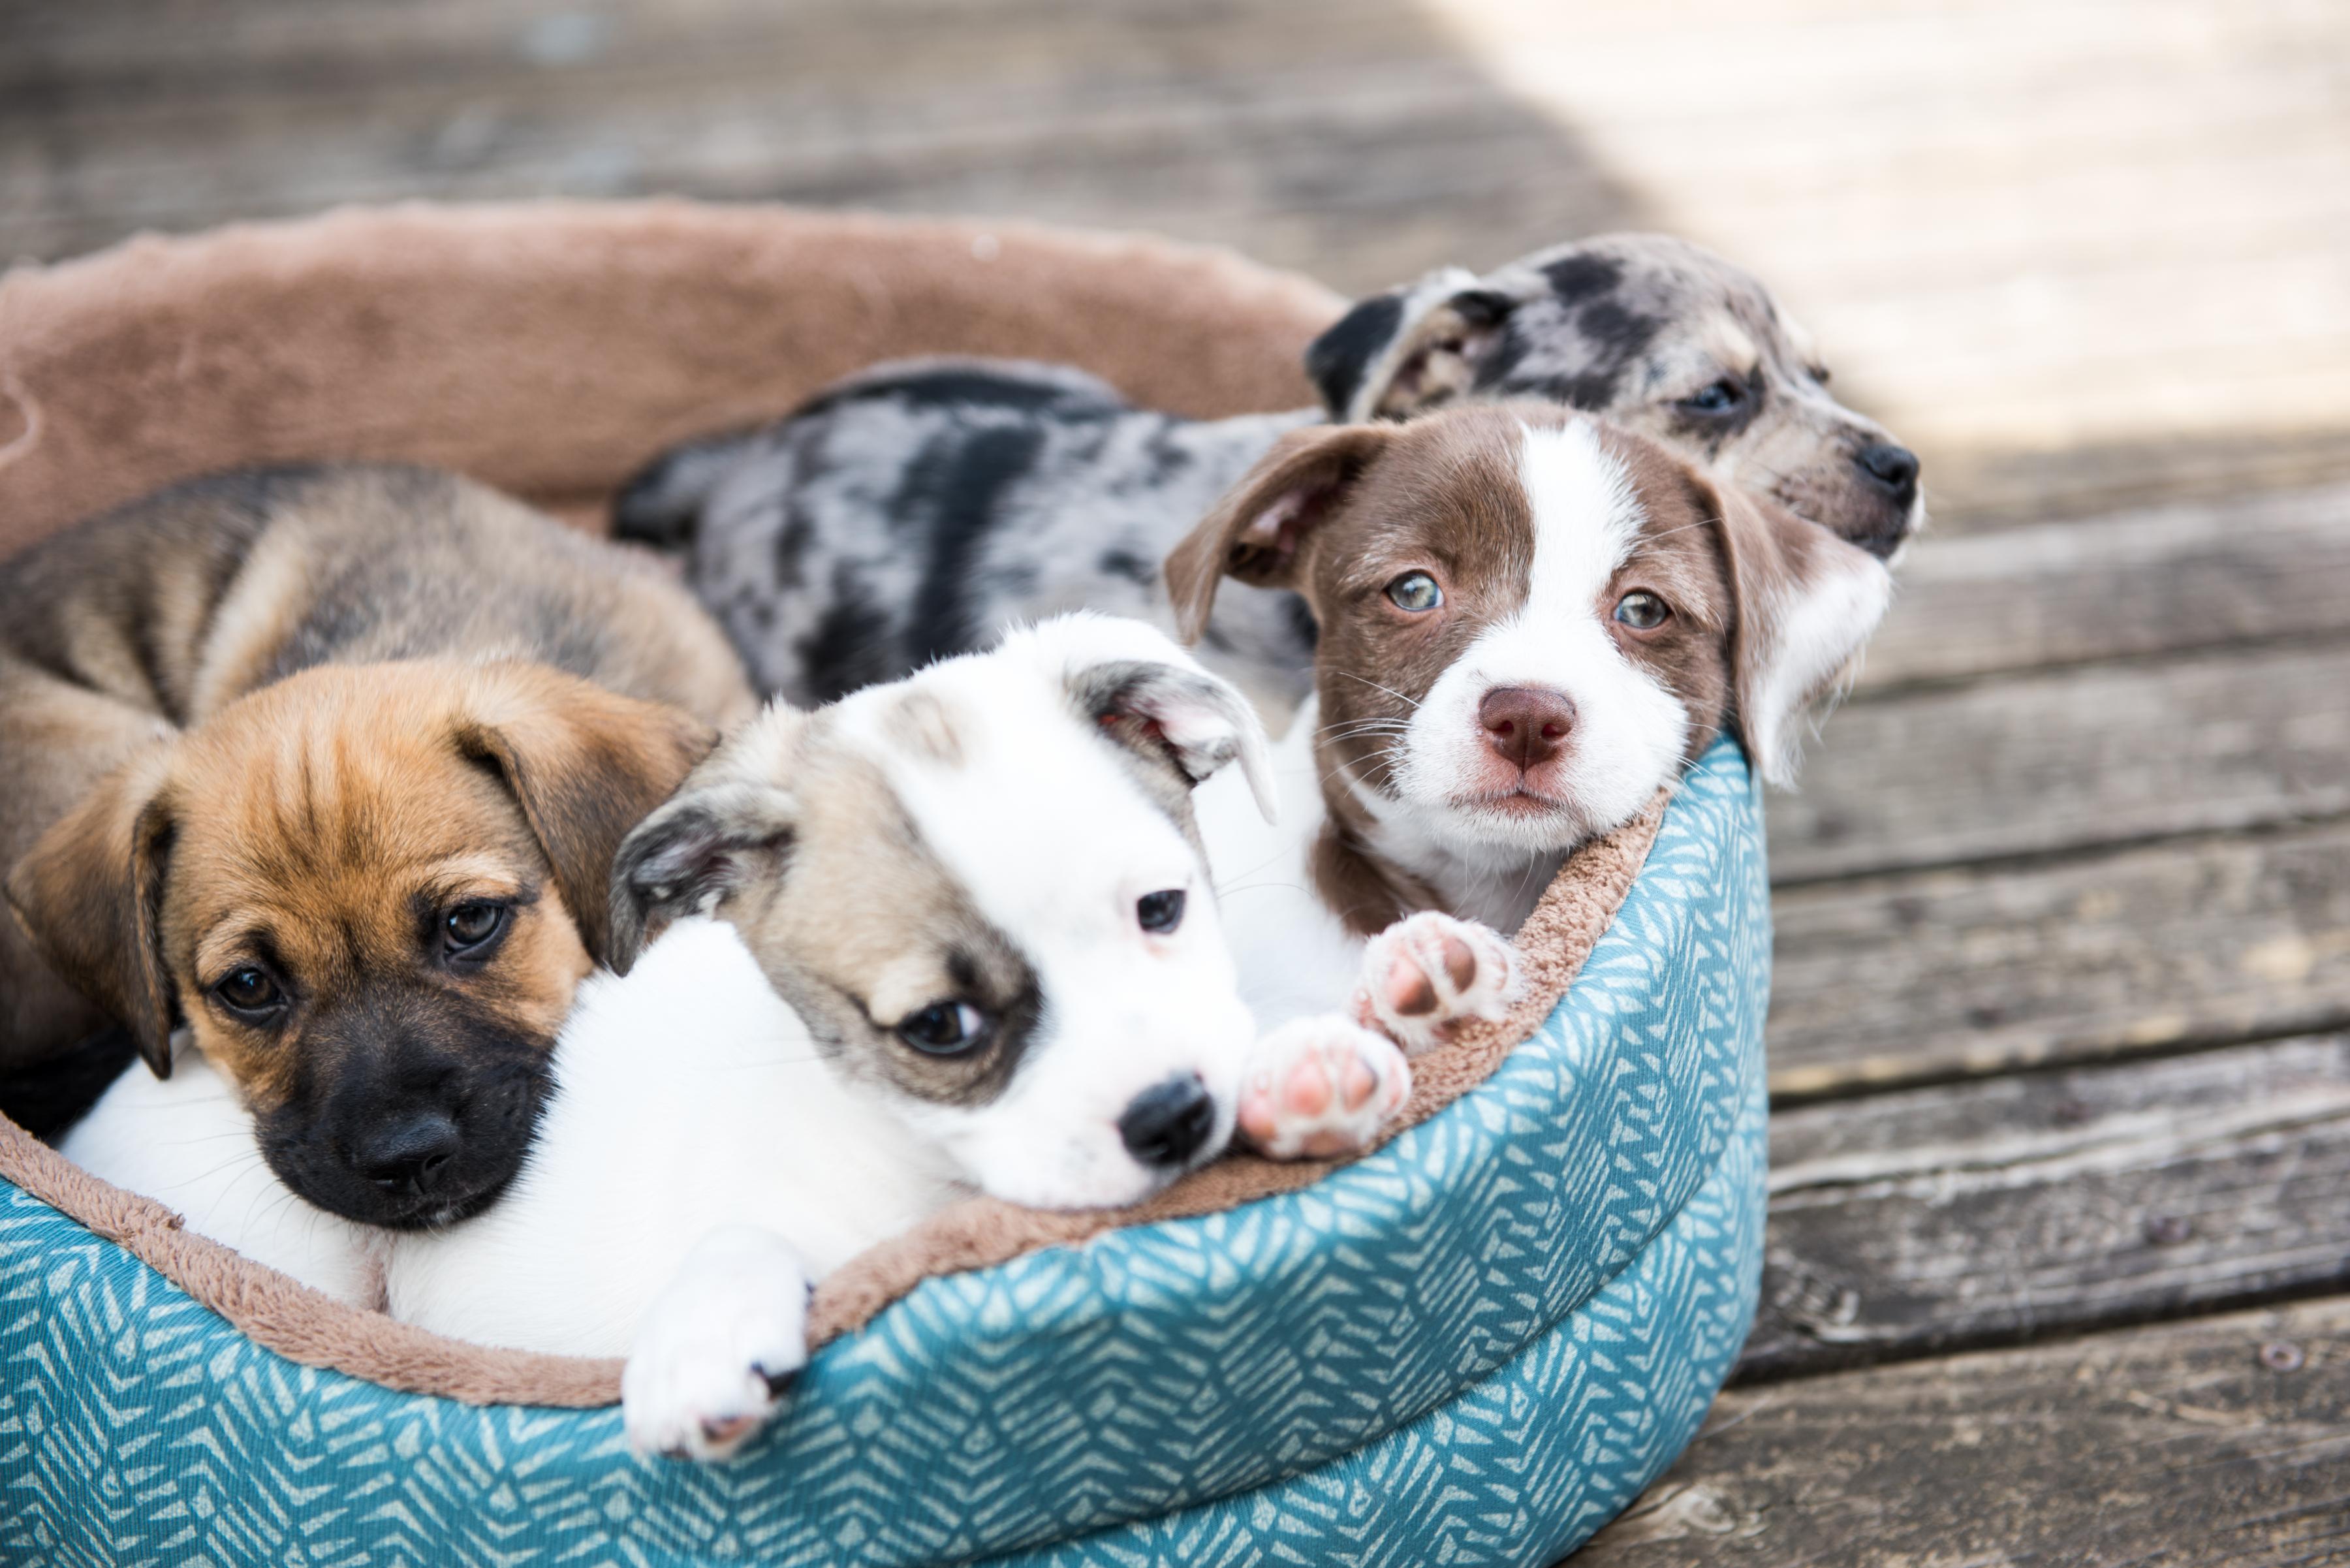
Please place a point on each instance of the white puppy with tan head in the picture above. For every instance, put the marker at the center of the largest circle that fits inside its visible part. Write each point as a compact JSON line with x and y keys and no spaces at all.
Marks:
{"x":956,"y":934}
{"x":965,"y":939}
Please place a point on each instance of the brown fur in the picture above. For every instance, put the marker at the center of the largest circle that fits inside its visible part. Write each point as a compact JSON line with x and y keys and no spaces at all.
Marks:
{"x":156,"y":617}
{"x":291,"y":730}
{"x":319,"y":831}
{"x":1338,"y":513}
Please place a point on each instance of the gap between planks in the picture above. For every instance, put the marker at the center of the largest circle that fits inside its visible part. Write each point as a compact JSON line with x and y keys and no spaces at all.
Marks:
{"x":2223,"y":1441}
{"x":2054,"y":1202}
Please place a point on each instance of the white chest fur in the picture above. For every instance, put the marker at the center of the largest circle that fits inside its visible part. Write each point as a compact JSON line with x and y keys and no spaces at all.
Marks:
{"x":1294,"y":956}
{"x":689,"y":1098}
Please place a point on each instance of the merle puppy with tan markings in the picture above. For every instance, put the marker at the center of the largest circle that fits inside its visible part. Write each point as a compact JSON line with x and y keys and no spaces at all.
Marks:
{"x":917,"y":509}
{"x":320,"y":772}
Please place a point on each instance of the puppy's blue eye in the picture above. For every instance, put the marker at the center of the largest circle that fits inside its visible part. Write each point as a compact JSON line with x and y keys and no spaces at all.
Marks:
{"x":944,"y":1028}
{"x":248,"y":991}
{"x":1642,"y":610}
{"x":1718,"y":399}
{"x":1160,"y":912}
{"x":1416,"y":592}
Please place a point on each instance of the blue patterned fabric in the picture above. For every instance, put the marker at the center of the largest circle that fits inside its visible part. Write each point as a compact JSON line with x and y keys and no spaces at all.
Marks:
{"x":1474,"y":1346}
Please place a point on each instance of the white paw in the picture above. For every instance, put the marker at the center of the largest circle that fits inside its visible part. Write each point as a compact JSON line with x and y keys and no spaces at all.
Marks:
{"x":715,"y":1352}
{"x":1318,"y":1087}
{"x":1428,"y":971}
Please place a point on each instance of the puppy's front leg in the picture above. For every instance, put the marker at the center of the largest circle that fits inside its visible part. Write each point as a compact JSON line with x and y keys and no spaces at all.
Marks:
{"x":1319,"y":1088}
{"x":1428,"y":971}
{"x":715,"y":1352}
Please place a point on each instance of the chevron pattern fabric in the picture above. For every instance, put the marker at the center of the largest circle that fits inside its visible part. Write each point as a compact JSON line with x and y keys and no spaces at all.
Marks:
{"x":1474,"y":1346}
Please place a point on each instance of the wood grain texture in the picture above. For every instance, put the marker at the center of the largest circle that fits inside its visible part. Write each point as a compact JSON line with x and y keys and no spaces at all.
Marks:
{"x":2153,"y":580}
{"x":2225,"y":1440}
{"x":1936,"y":974}
{"x":2042,"y":1204}
{"x":2061,"y":759}
{"x":1353,"y":139}
{"x":2075,"y":252}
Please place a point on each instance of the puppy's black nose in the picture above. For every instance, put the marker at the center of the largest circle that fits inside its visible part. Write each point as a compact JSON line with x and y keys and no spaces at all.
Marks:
{"x":1525,"y":723}
{"x":1892,"y":469}
{"x":1168,"y":1122}
{"x":409,"y":1158}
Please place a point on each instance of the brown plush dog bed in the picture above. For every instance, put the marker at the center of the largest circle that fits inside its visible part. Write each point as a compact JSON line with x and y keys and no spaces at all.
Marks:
{"x":551,"y":349}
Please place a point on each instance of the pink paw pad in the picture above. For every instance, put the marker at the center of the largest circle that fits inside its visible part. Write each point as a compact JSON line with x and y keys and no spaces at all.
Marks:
{"x":1423,"y":975}
{"x":1321,"y":1087}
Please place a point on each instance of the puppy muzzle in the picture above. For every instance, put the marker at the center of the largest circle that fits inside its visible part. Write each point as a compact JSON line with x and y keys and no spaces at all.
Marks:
{"x":410,"y":1151}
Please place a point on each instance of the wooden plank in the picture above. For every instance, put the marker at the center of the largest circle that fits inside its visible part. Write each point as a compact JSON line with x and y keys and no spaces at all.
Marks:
{"x":1934,"y":975}
{"x":1312,"y":135}
{"x":1984,"y":488}
{"x":2048,"y":1203}
{"x":2104,"y":755}
{"x":2220,"y":1441}
{"x":2016,"y":228}
{"x":2160,"y":580}
{"x":1192,"y":172}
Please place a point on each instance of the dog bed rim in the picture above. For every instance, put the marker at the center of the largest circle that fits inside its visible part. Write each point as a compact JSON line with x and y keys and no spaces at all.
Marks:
{"x":306,"y":1325}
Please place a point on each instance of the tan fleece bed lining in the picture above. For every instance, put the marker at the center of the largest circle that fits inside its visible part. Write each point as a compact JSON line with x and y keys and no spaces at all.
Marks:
{"x":551,"y":348}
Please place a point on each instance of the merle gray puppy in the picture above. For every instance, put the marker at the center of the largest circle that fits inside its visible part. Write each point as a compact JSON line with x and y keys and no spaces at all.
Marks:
{"x":915,"y":510}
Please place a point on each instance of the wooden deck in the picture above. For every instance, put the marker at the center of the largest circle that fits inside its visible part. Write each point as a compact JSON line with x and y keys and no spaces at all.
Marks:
{"x":2060,"y":1247}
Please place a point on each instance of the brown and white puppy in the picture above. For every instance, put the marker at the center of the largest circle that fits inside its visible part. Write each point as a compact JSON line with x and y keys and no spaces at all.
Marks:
{"x":1530,"y":622}
{"x":328,"y":768}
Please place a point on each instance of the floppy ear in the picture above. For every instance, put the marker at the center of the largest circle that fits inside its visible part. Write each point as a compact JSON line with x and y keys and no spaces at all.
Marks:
{"x":731,"y":825}
{"x":1179,"y":712}
{"x":586,"y":765}
{"x":90,"y":891}
{"x":1806,"y":603}
{"x":1259,"y":531}
{"x":1411,"y":349}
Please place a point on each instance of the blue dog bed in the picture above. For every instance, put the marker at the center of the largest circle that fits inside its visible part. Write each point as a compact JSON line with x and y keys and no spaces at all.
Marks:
{"x":1475,"y":1345}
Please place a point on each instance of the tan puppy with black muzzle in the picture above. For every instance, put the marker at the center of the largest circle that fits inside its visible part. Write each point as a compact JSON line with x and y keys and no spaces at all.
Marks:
{"x":326,"y":768}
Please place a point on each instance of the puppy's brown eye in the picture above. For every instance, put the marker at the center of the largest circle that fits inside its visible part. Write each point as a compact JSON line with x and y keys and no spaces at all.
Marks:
{"x":469,"y":926}
{"x":1416,"y":592}
{"x":1642,"y":611}
{"x":1160,"y":912}
{"x":944,"y":1028}
{"x":1820,"y":374}
{"x":248,"y":991}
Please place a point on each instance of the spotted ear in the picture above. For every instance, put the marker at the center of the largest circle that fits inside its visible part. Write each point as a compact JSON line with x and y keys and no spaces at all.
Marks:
{"x":90,"y":893}
{"x":1260,"y":531}
{"x":586,"y":765}
{"x":730,"y":824}
{"x":1409,"y":349}
{"x":1806,"y":603}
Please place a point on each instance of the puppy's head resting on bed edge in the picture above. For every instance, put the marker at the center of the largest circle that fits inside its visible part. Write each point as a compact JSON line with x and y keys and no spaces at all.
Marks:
{"x":1664,"y":337}
{"x":983,"y":890}
{"x":1530,"y":622}
{"x":368,"y":892}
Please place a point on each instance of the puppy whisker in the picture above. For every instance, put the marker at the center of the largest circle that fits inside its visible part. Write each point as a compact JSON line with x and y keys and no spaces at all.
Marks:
{"x":1407,"y":702}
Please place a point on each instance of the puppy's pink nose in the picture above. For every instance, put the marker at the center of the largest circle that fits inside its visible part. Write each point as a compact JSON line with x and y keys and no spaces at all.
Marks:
{"x":1525,"y":723}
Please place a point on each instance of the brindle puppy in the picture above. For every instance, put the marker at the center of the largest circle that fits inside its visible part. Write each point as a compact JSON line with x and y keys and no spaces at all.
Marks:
{"x":328,"y":767}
